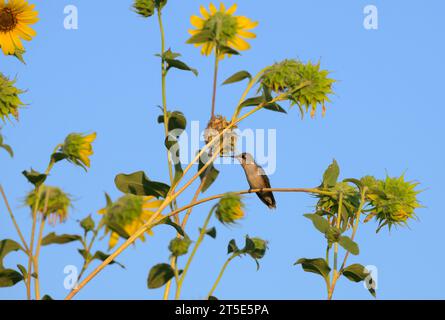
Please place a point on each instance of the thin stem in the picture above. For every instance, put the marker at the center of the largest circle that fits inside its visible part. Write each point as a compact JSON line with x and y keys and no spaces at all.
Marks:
{"x":193,"y":253}
{"x":38,"y":192}
{"x":354,"y":232}
{"x":221,"y":273}
{"x":36,"y":260}
{"x":31,"y":246}
{"x":339,"y":217}
{"x":215,"y":82}
{"x":356,"y":223}
{"x":14,"y":221}
{"x":164,"y":91}
{"x":168,"y":284}
{"x":195,"y":198}
{"x":39,"y":244}
{"x":88,"y":249}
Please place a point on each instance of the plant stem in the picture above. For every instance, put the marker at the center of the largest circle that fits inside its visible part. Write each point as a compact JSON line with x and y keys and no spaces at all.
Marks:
{"x":215,"y":82}
{"x":31,"y":246}
{"x":221,"y":273}
{"x":193,"y":253}
{"x":36,"y":260}
{"x":11,"y":214}
{"x":335,"y":274}
{"x":39,"y":244}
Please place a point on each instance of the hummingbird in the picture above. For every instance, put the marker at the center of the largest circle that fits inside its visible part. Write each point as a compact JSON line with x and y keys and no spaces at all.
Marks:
{"x":257,"y":179}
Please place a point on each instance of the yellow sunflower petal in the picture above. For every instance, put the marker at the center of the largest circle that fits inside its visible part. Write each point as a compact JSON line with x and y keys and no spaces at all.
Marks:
{"x":213,"y":9}
{"x":222,"y":7}
{"x":204,"y":12}
{"x":239,"y":44}
{"x":245,"y":23}
{"x":114,"y":239}
{"x":246,"y":34}
{"x":232,"y":9}
{"x":6,"y":43}
{"x":197,"y":22}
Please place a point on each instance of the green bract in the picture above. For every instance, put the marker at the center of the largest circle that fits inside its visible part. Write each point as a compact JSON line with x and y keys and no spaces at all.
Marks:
{"x":393,"y":200}
{"x":179,"y":247}
{"x":9,"y":99}
{"x":53,"y":203}
{"x":146,"y":8}
{"x":260,"y":248}
{"x":305,"y":84}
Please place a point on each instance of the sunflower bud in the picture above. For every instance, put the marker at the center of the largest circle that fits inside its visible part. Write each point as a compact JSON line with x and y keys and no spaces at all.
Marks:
{"x":146,"y":8}
{"x":393,"y":201}
{"x":53,"y":203}
{"x":77,"y":148}
{"x":9,"y":99}
{"x":227,"y":142}
{"x":260,"y":248}
{"x":179,"y":247}
{"x":305,"y":84}
{"x":230,"y":209}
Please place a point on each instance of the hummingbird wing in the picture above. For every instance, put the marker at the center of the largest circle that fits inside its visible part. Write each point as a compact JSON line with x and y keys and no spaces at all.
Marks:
{"x":266,"y":196}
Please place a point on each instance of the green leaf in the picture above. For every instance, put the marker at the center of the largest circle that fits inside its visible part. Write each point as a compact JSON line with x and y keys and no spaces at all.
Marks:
{"x":23,"y":270}
{"x":34,"y":177}
{"x":9,"y":278}
{"x":202,"y":37}
{"x":210,"y":232}
{"x":213,"y":298}
{"x":355,"y":272}
{"x":178,"y":64}
{"x":52,"y":238}
{"x":138,"y":184}
{"x":99,"y":255}
{"x":275,"y":107}
{"x":318,"y":266}
{"x":358,"y":273}
{"x":177,"y":122}
{"x":87,"y":224}
{"x":320,"y":223}
{"x":7,"y":246}
{"x":47,"y":297}
{"x":169,"y":222}
{"x":172,"y":146}
{"x":255,"y":101}
{"x":159,"y":275}
{"x":349,"y":245}
{"x":6,"y":147}
{"x":237,"y":77}
{"x":331,"y":175}
{"x":210,"y":174}
{"x":232,"y":247}
{"x":227,"y":50}
{"x":58,"y":156}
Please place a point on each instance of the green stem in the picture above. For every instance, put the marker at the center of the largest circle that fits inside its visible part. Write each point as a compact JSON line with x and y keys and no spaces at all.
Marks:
{"x":36,"y":260}
{"x":14,"y":221}
{"x":215,"y":82}
{"x":193,"y":253}
{"x":221,"y":273}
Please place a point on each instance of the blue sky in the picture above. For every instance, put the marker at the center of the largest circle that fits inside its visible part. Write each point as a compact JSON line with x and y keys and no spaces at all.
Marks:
{"x":386,"y":116}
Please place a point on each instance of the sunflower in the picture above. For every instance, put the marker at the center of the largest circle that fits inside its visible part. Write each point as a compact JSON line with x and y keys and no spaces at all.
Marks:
{"x":126,"y":215}
{"x":222,"y":28}
{"x":77,"y":148}
{"x":53,"y":204}
{"x":15,"y":18}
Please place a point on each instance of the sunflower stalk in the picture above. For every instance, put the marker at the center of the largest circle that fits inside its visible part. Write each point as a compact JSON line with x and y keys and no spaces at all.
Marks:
{"x":193,"y":253}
